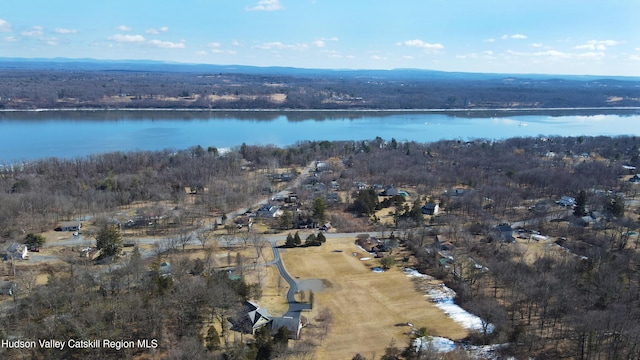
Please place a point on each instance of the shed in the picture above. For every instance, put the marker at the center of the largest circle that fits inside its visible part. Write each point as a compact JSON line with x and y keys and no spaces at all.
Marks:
{"x":8,"y":288}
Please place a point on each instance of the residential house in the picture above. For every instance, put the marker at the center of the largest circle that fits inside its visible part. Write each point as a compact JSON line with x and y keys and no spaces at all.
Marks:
{"x":567,"y":201}
{"x":17,"y":251}
{"x":389,"y":191}
{"x":250,"y":318}
{"x":293,"y":325}
{"x":505,"y":233}
{"x":430,"y":209}
{"x":69,"y":226}
{"x":269,"y":211}
{"x":635,"y":179}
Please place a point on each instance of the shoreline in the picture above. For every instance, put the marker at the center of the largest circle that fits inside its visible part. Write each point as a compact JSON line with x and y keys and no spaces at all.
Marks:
{"x":457,"y":110}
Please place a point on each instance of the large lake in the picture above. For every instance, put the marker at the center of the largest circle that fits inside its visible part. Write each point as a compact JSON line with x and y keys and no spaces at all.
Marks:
{"x":33,"y":135}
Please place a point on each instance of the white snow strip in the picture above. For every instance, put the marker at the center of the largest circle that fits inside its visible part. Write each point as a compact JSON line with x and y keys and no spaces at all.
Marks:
{"x":435,"y":343}
{"x":443,"y":297}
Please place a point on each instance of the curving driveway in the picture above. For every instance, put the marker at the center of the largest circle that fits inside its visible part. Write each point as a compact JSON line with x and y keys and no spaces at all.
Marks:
{"x":295,"y":307}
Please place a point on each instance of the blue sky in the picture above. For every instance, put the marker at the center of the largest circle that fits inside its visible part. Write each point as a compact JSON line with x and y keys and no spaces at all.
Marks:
{"x":593,"y":37}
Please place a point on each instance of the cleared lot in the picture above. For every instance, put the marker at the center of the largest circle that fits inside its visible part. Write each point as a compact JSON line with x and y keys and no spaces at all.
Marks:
{"x":366,"y":306}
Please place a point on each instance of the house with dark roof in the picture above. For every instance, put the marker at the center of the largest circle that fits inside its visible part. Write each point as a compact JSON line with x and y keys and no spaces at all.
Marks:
{"x":269,"y":211}
{"x":252,"y":317}
{"x":567,"y":201}
{"x":69,"y":226}
{"x":389,"y":191}
{"x":505,"y":233}
{"x":293,"y":325}
{"x":430,"y":209}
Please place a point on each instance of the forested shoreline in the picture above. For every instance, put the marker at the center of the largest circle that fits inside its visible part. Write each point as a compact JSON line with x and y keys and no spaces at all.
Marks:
{"x":70,"y":85}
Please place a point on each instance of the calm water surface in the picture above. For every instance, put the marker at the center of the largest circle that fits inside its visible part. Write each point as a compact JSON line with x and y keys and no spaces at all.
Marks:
{"x":34,"y":135}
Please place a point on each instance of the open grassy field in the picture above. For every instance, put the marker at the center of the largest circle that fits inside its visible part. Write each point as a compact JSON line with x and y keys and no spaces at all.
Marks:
{"x":367,"y":307}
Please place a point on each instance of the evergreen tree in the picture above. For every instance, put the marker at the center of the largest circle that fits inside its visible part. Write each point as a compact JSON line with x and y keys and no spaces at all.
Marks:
{"x":296,"y":239}
{"x":34,"y":240}
{"x":290,"y":242}
{"x":109,"y":241}
{"x":321,"y":238}
{"x":311,"y":240}
{"x":213,"y":339}
{"x":319,"y":210}
{"x":581,"y":203}
{"x":281,"y":337}
{"x":286,"y":220}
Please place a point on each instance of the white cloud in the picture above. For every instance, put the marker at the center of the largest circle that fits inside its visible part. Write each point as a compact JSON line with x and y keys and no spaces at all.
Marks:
{"x":265,"y":5}
{"x":158,"y":31}
{"x":599,"y":45}
{"x":537,"y":45}
{"x":10,"y":39}
{"x":166,"y":44}
{"x":223,"y":51}
{"x":592,"y":55}
{"x":65,"y":31}
{"x":492,"y":40}
{"x":127,"y":38}
{"x":52,"y":41}
{"x":34,"y":32}
{"x":214,"y":45}
{"x":318,"y":43}
{"x":378,"y":57}
{"x":5,"y":26}
{"x":421,"y":44}
{"x":514,"y":36}
{"x":123,"y":28}
{"x":277,"y":45}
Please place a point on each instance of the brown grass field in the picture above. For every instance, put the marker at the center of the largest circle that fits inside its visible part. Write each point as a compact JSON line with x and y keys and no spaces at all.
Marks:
{"x":366,"y":306}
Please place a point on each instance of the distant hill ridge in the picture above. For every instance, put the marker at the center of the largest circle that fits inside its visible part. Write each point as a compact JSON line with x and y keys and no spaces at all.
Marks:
{"x":89,"y":64}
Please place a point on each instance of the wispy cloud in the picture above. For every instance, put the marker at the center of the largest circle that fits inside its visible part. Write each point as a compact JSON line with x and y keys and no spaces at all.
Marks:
{"x":65,"y":31}
{"x":124,"y":28}
{"x":216,"y":48}
{"x":513,"y":36}
{"x":265,"y":5}
{"x":599,"y":45}
{"x":158,"y":31}
{"x":5,"y":26}
{"x":417,"y":43}
{"x":125,"y":38}
{"x":322,"y":42}
{"x":36,"y":31}
{"x":277,"y":45}
{"x":166,"y":44}
{"x":556,"y":55}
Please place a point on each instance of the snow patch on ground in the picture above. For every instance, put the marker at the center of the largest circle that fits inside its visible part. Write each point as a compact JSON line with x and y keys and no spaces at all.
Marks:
{"x":443,"y":297}
{"x":434,"y":343}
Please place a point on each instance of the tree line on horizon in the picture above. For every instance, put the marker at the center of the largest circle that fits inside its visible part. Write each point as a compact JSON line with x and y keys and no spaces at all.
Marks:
{"x":25,"y":88}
